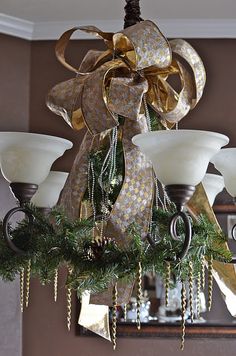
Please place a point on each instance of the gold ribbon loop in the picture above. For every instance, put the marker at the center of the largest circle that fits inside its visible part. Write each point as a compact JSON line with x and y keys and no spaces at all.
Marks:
{"x":64,"y":100}
{"x":184,"y":99}
{"x":128,"y":91}
{"x":106,"y":36}
{"x":143,"y":45}
{"x":187,"y":52}
{"x":96,"y":114}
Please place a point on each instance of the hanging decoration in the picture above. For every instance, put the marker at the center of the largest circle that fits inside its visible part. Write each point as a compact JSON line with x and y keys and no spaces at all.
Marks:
{"x":108,"y":229}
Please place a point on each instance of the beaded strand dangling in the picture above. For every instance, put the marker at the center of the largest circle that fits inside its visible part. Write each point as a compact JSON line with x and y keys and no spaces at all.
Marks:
{"x":114,"y":315}
{"x":125,"y":312}
{"x":190,"y":280}
{"x":183,"y":311}
{"x":139,"y":295}
{"x":198,"y":294}
{"x":69,"y":302}
{"x":167,"y":283}
{"x":27,"y":293}
{"x":210,"y":282}
{"x":203,"y":274}
{"x":22,"y":285}
{"x":55,"y":284}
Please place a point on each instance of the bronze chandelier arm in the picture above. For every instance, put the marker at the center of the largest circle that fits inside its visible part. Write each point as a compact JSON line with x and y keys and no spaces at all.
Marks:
{"x":173,"y":232}
{"x":6,"y":232}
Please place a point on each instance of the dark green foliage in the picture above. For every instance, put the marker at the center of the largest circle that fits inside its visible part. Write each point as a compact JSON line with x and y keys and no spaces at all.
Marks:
{"x":54,"y":241}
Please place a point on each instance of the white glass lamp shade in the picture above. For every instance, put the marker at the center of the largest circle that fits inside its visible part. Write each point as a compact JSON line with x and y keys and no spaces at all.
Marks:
{"x":225,"y":162}
{"x":49,"y":191}
{"x":213,"y":185}
{"x":180,"y":156}
{"x":28,"y":157}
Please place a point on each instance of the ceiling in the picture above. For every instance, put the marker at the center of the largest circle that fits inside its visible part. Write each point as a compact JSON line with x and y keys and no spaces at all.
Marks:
{"x":77,"y":10}
{"x":48,"y":19}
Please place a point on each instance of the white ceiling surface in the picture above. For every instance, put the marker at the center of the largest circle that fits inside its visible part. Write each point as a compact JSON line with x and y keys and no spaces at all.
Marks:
{"x":47,"y":19}
{"x":76,"y":10}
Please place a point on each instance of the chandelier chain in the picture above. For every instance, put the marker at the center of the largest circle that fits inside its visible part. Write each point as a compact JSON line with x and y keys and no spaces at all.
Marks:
{"x":132,"y":13}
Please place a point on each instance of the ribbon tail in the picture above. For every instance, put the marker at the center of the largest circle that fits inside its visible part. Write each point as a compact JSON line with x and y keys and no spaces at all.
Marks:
{"x":94,"y":317}
{"x":134,"y":203}
{"x":224,"y":273}
{"x":76,"y":183}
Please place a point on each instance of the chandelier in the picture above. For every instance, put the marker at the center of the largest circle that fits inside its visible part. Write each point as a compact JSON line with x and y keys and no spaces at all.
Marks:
{"x":138,"y":198}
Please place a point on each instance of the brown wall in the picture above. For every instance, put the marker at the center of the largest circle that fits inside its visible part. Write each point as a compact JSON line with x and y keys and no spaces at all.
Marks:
{"x":45,"y":322}
{"x":14,"y":83}
{"x":14,"y":116}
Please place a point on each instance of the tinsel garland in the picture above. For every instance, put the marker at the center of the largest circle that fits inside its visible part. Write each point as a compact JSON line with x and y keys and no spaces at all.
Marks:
{"x":53,"y":241}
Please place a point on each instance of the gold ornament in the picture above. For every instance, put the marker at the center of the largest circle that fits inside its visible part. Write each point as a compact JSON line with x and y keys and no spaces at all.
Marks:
{"x":55,"y":284}
{"x":203,"y":274}
{"x":125,"y":312}
{"x":191,"y":290}
{"x":198,"y":294}
{"x":139,"y":295}
{"x":28,"y":273}
{"x":210,"y":282}
{"x":167,"y":283}
{"x":114,"y":317}
{"x":183,"y":311}
{"x":69,"y":302}
{"x":22,"y":285}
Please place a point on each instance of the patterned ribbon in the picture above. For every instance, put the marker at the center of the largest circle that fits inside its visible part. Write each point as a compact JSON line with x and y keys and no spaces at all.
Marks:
{"x":138,"y":60}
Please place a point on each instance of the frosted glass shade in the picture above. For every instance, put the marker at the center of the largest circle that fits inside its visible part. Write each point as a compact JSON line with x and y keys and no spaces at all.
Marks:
{"x":49,"y":191}
{"x":213,"y":185}
{"x":180,"y":156}
{"x":28,"y":157}
{"x":225,"y":162}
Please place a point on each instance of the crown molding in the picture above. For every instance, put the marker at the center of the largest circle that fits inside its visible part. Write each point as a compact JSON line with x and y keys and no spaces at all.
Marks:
{"x":16,"y":27}
{"x":186,"y":28}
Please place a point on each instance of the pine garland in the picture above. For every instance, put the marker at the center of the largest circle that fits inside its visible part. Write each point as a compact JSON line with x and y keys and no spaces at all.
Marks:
{"x":53,"y":241}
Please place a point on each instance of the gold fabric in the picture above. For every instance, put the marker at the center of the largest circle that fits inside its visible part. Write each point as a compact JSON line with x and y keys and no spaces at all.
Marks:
{"x":224,"y":273}
{"x":110,"y":83}
{"x":94,"y":317}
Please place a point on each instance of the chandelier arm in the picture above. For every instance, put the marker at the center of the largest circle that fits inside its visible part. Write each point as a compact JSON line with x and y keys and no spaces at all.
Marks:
{"x":233,"y":260}
{"x":6,"y":230}
{"x":188,"y":232}
{"x":233,"y":232}
{"x":173,"y":232}
{"x":132,"y":13}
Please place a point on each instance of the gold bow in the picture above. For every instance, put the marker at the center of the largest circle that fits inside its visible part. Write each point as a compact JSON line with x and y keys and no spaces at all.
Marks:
{"x":138,"y":61}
